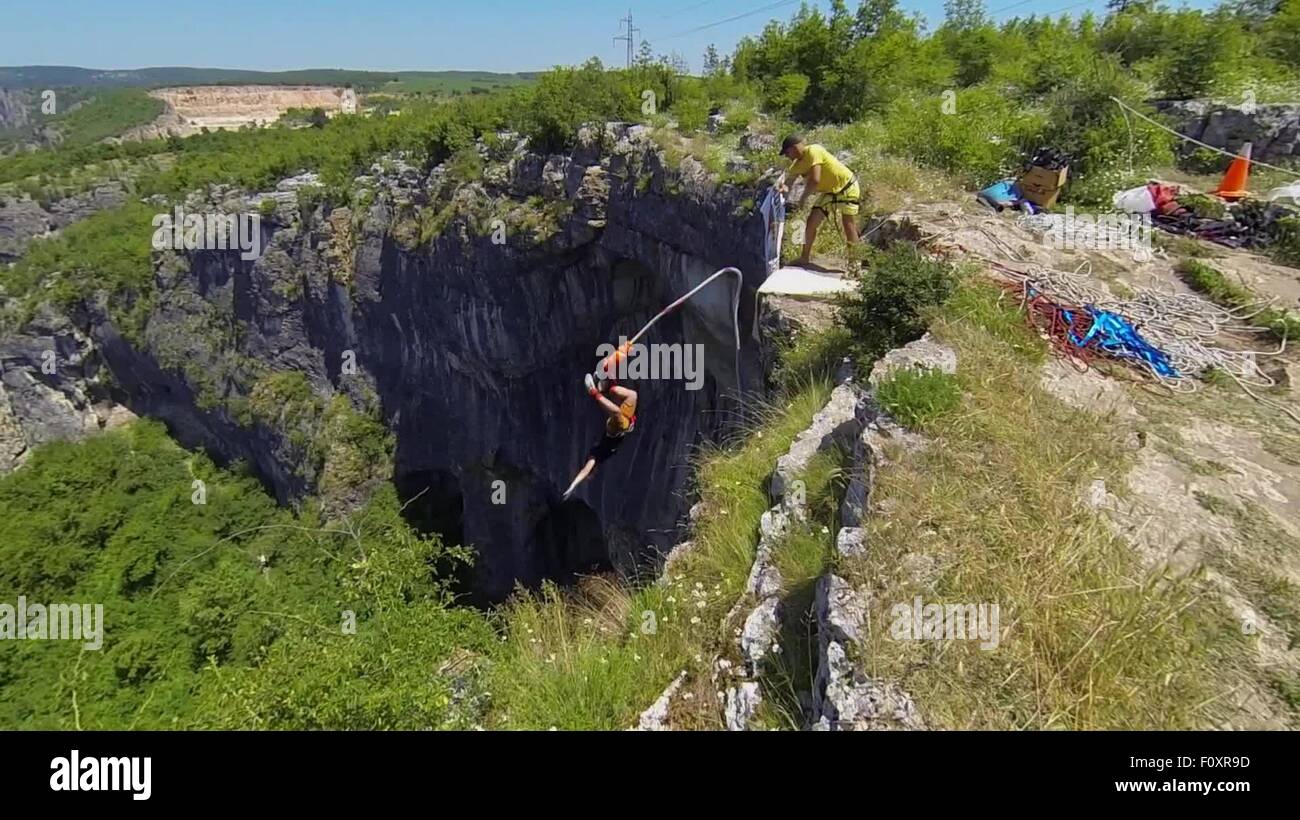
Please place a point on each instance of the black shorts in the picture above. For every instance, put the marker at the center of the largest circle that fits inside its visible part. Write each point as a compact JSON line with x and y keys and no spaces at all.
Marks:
{"x":607,"y":447}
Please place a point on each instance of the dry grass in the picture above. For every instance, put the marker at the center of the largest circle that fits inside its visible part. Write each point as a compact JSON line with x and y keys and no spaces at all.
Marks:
{"x":992,"y":513}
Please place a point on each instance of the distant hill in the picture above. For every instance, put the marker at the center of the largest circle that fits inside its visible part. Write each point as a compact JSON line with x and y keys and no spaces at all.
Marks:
{"x":34,"y":76}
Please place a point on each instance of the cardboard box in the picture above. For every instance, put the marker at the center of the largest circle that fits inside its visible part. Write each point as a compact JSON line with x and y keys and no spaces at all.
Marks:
{"x":1042,"y":186}
{"x":1041,"y":195}
{"x":1046,"y":177}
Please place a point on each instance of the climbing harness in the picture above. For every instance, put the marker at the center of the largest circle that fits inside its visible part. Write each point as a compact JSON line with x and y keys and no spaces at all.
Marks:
{"x":835,"y":199}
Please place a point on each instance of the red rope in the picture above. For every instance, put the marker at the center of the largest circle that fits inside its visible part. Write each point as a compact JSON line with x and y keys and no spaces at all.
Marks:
{"x":1049,"y":318}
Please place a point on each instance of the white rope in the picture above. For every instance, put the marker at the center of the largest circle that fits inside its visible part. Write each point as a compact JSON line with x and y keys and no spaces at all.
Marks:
{"x":1164,"y":127}
{"x":1182,"y":325}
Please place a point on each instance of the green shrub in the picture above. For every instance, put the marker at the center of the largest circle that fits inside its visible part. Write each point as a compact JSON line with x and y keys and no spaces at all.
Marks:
{"x":781,"y":94}
{"x":978,"y":133}
{"x":1083,"y":121}
{"x":896,"y":293}
{"x":1286,"y":241}
{"x":466,"y":165}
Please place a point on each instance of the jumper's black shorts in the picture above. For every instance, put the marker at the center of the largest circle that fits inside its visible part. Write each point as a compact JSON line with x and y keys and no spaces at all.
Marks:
{"x":607,"y":447}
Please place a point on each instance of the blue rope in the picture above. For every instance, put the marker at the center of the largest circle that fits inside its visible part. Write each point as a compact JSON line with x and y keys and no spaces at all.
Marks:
{"x":1113,"y":334}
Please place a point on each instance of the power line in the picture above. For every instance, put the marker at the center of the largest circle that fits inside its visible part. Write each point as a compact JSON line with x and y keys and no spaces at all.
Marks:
{"x":1067,"y":8}
{"x":1008,"y":8}
{"x":683,"y":11}
{"x":730,"y":19}
{"x":1048,"y":14}
{"x":629,"y":37}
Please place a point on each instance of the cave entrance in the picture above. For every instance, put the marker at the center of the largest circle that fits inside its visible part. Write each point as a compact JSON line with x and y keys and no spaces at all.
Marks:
{"x":433,"y":503}
{"x":570,"y":542}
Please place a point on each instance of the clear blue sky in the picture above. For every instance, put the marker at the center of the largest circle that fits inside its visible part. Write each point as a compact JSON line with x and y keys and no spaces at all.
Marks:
{"x":491,"y":35}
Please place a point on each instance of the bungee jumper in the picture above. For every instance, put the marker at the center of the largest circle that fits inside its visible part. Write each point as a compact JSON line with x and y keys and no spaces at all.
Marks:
{"x":621,"y":420}
{"x":619,"y":405}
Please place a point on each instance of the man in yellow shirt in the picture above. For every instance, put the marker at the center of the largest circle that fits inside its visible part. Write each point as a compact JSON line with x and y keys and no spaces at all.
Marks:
{"x":827,"y":179}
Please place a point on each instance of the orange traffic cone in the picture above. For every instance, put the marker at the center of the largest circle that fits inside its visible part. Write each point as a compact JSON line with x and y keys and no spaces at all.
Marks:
{"x":1233,"y":186}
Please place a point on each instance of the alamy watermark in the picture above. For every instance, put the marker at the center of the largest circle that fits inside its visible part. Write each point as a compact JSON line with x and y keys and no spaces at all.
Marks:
{"x":919,"y":621}
{"x":209,"y":232}
{"x":53,"y":622}
{"x":684,"y":362}
{"x":75,"y":773}
{"x":1099,"y":232}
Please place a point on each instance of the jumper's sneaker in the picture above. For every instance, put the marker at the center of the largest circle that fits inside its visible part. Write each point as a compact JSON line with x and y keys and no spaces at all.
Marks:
{"x":594,"y":386}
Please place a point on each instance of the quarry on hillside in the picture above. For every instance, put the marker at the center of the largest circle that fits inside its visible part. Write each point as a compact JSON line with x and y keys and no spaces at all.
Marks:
{"x":227,"y":107}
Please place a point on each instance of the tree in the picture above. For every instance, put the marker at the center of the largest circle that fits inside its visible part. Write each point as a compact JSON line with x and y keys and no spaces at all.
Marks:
{"x":317,"y":118}
{"x":964,"y":15}
{"x":782,"y":94}
{"x":645,"y":55}
{"x":876,"y":16}
{"x":1121,"y":6}
{"x":712,"y":64}
{"x":970,"y":38}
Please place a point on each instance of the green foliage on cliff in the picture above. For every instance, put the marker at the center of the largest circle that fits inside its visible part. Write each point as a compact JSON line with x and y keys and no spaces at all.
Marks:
{"x":228,"y":613}
{"x":108,"y":114}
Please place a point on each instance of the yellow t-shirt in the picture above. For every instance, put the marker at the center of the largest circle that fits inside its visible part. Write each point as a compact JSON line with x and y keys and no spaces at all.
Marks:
{"x":834,"y":174}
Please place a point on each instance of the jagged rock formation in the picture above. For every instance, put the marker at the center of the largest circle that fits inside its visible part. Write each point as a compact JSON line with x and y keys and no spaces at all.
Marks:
{"x":15,"y":108}
{"x":471,"y":351}
{"x":833,"y":425}
{"x":51,"y":388}
{"x":1272,"y":128}
{"x":22,"y":220}
{"x":844,"y":696}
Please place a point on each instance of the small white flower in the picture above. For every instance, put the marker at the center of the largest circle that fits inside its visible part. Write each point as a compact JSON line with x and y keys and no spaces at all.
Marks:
{"x":586,"y":621}
{"x":636,"y":657}
{"x":695,"y":620}
{"x":701,"y":604}
{"x":688,"y":696}
{"x":825,"y":530}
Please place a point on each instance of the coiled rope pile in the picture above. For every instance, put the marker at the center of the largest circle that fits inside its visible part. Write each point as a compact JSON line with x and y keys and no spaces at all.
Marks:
{"x":1183,"y":326}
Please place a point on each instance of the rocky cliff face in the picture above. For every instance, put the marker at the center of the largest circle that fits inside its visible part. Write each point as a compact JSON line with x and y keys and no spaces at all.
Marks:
{"x":470,"y":344}
{"x":15,"y":111}
{"x":22,"y":219}
{"x":1273,"y":128}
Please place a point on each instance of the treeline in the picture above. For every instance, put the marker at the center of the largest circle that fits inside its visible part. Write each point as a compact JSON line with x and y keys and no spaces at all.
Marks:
{"x":220,"y":609}
{"x":854,"y":63}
